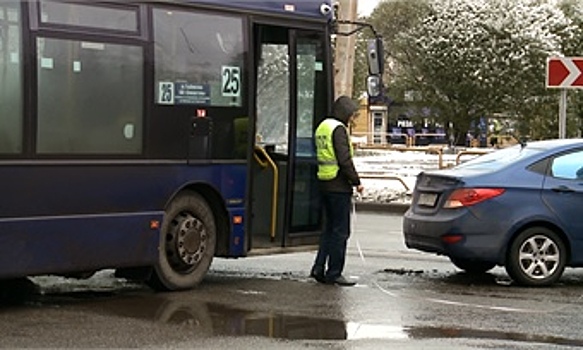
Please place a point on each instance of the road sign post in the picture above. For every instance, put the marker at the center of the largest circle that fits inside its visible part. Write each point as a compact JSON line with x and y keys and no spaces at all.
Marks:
{"x":563,"y":114}
{"x":564,"y":73}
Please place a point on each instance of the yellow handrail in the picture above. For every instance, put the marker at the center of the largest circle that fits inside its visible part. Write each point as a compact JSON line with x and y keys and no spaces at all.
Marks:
{"x":463,"y":153}
{"x":439,"y":152}
{"x":429,"y":149}
{"x":386,"y":177}
{"x":264,"y":164}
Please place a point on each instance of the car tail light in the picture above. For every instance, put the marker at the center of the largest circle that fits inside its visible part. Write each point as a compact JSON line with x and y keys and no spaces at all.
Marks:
{"x":452,"y":239}
{"x":465,"y":197}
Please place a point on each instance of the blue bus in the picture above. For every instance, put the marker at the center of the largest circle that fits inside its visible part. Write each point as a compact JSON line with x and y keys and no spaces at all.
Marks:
{"x":150,"y":137}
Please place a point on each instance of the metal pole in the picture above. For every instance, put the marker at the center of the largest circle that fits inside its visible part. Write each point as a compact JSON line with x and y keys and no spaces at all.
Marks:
{"x":563,"y":114}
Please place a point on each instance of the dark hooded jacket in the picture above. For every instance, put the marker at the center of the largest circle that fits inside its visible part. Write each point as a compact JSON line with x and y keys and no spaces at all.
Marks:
{"x":347,"y":176}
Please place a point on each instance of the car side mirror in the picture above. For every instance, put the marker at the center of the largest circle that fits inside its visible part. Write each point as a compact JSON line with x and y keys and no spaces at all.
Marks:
{"x":373,"y":85}
{"x":375,"y":56}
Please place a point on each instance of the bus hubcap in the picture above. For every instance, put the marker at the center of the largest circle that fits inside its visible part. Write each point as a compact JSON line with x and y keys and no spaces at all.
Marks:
{"x":187,"y":242}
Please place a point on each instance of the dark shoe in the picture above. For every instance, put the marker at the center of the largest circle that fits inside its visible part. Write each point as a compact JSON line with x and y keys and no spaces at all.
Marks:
{"x":318,"y":275}
{"x":341,"y":281}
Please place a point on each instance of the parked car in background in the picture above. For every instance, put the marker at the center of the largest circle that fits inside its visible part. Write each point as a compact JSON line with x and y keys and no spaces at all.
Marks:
{"x":520,"y":207}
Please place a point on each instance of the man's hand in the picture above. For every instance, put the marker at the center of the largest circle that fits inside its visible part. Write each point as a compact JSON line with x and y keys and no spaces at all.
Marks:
{"x":359,"y":188}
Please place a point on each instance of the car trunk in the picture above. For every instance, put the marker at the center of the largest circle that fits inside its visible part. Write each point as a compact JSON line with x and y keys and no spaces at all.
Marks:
{"x":431,"y":190}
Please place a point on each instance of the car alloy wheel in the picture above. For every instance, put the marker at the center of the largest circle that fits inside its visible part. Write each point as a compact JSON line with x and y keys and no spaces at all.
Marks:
{"x":537,"y":257}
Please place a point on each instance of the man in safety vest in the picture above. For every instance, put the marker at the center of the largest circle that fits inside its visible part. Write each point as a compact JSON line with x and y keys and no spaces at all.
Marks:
{"x":337,"y":177}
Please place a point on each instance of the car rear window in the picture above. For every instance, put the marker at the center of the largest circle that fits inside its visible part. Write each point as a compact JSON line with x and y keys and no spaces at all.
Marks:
{"x":500,"y":158}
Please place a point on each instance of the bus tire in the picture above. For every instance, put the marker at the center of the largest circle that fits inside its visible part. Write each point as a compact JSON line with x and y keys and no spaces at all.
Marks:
{"x":187,"y":244}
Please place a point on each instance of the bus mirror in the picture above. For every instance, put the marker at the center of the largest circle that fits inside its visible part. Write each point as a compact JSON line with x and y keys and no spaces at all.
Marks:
{"x":373,"y":85}
{"x":375,"y":56}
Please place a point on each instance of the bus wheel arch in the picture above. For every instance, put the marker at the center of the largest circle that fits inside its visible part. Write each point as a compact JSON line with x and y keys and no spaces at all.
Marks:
{"x":188,"y":242}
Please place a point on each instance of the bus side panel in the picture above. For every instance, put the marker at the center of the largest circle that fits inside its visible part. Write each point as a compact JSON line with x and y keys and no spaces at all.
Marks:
{"x":69,"y":244}
{"x":67,"y":218}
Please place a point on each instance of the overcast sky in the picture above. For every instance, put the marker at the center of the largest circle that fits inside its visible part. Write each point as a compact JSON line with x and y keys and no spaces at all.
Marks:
{"x":365,"y":7}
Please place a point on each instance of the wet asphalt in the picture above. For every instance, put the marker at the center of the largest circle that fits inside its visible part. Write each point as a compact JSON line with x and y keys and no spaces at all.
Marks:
{"x":404,"y":299}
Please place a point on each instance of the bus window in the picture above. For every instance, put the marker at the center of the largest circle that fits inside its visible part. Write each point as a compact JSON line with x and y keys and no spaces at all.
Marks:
{"x":272,"y":102}
{"x":310,"y":65}
{"x":81,"y":15}
{"x":89,"y":97}
{"x":199,"y":58}
{"x":10,"y":78}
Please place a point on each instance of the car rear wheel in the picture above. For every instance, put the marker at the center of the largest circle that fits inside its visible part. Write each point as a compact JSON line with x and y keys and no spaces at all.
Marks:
{"x":537,"y":257}
{"x":472,"y":266}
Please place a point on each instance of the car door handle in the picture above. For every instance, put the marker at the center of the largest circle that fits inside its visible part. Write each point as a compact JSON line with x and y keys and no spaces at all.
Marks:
{"x":563,"y":189}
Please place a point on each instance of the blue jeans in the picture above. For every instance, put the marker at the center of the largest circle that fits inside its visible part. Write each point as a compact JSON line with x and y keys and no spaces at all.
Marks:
{"x":334,"y":238}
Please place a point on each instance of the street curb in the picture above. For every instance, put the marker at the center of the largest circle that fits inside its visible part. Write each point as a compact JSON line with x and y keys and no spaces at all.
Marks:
{"x":398,"y":208}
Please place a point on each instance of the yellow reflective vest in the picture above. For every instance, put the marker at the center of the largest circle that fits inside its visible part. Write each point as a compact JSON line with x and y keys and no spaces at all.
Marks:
{"x":327,"y":163}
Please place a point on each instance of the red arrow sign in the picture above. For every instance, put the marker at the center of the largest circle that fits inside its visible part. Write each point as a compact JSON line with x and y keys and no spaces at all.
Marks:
{"x":565,"y":72}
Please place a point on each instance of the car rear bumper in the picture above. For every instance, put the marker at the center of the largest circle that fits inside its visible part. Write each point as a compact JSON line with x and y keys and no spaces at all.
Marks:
{"x":479,"y":240}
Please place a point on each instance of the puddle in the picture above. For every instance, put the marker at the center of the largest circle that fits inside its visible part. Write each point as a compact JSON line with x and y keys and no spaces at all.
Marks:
{"x":374,"y":331}
{"x":206,"y":319}
{"x":202,"y":318}
{"x":212,"y":319}
{"x":178,"y":309}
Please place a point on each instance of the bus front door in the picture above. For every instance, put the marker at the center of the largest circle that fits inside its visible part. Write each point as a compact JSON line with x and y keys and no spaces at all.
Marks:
{"x":291,"y":99}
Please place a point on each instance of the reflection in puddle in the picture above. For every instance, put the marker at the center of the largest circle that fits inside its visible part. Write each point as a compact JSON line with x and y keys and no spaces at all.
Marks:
{"x":213,"y":319}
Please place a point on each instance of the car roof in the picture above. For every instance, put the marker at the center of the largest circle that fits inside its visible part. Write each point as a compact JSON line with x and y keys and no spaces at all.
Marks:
{"x":537,"y":150}
{"x":554,"y":143}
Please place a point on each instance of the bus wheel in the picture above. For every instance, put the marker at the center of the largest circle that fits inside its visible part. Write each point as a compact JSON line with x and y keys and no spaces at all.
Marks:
{"x":187,"y":244}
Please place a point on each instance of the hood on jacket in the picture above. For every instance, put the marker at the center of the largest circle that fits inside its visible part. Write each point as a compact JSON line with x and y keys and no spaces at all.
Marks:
{"x":343,"y":108}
